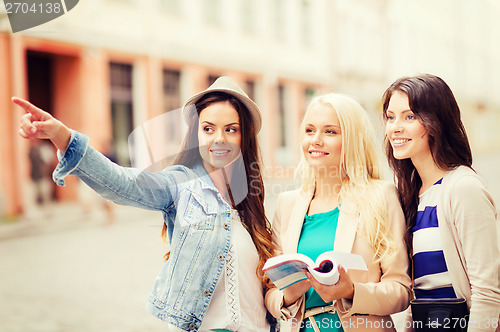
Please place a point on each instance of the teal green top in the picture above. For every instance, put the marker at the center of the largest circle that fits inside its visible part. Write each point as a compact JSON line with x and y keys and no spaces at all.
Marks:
{"x":317,"y":236}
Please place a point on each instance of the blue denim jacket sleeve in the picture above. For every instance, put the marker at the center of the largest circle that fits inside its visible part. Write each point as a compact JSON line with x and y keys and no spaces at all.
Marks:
{"x":122,"y":185}
{"x":77,"y":146}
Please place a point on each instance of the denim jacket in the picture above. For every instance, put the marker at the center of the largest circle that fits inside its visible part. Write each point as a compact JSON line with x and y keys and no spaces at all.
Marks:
{"x":197,"y":217}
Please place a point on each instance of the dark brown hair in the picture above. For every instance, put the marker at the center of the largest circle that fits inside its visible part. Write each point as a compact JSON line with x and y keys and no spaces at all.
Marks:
{"x":433,"y":103}
{"x":251,"y":208}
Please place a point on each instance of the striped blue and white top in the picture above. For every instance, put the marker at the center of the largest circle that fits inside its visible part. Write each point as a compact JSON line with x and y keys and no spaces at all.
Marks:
{"x":432,"y":279}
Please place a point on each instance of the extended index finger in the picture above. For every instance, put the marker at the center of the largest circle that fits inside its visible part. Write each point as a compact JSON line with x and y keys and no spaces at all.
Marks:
{"x":26,"y":105}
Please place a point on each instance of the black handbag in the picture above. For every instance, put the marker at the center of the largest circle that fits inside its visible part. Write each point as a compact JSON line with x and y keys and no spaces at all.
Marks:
{"x":433,"y":315}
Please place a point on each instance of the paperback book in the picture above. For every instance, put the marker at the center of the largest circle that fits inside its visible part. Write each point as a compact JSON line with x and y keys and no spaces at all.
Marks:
{"x":286,"y":270}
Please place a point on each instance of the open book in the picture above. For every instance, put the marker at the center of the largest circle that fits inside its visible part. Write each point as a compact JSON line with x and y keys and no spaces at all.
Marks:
{"x":286,"y":270}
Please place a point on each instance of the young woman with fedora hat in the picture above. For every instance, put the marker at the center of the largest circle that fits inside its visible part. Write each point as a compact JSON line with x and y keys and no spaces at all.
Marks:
{"x":212,"y":205}
{"x":343,"y":205}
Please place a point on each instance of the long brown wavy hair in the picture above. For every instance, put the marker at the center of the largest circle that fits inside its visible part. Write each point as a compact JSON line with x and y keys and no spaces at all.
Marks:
{"x":434,"y":105}
{"x":251,"y":208}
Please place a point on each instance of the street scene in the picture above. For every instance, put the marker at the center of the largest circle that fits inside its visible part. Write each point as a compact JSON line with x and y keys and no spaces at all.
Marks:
{"x":83,"y":276}
{"x":119,"y":73}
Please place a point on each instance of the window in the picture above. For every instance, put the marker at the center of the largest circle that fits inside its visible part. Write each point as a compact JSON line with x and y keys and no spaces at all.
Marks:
{"x":172,"y":102}
{"x":212,"y":79}
{"x":250,"y":89}
{"x":171,"y":89}
{"x":308,"y":96}
{"x":121,"y":109}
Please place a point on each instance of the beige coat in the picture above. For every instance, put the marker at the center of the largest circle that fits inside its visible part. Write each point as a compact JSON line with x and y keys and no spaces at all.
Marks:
{"x":468,"y":228}
{"x":382,"y":290}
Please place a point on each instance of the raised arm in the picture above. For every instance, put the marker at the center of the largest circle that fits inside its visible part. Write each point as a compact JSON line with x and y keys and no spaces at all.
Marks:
{"x":122,"y":185}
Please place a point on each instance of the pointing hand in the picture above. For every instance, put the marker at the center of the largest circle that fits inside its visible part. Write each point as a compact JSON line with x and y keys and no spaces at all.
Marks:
{"x":37,"y":123}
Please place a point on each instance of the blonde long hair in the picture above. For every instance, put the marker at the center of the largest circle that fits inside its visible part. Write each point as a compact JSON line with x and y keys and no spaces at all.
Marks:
{"x":359,"y":170}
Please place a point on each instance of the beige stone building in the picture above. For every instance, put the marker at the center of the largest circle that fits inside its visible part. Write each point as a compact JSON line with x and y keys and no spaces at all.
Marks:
{"x":108,"y":66}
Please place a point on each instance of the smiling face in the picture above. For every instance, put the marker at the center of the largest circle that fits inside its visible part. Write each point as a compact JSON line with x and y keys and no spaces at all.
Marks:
{"x":219,"y":135}
{"x":322,"y":138}
{"x":406,"y":134}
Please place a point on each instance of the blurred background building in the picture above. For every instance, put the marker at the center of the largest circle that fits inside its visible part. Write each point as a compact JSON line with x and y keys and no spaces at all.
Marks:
{"x":108,"y":66}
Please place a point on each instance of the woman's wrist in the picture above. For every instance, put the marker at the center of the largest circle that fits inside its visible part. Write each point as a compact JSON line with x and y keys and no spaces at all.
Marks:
{"x":61,"y":137}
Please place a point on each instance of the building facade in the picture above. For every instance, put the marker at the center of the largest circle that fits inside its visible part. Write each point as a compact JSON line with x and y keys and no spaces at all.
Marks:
{"x":108,"y":66}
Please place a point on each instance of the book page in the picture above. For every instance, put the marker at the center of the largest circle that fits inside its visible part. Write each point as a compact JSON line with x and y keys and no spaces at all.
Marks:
{"x":347,"y":260}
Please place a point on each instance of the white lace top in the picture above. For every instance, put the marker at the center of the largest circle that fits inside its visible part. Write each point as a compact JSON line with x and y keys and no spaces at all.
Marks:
{"x":237,"y":303}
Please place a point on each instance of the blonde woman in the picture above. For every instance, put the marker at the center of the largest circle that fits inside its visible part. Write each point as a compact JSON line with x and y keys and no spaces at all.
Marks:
{"x":342,"y":205}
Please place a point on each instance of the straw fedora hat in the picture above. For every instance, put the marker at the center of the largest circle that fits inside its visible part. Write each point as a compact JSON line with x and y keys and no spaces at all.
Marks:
{"x":227,"y":85}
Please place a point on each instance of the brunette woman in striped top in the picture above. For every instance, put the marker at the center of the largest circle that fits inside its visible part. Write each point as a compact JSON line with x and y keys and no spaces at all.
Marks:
{"x":451,"y":218}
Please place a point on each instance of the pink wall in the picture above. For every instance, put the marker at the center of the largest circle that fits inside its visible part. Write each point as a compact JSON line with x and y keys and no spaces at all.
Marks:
{"x":10,"y":173}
